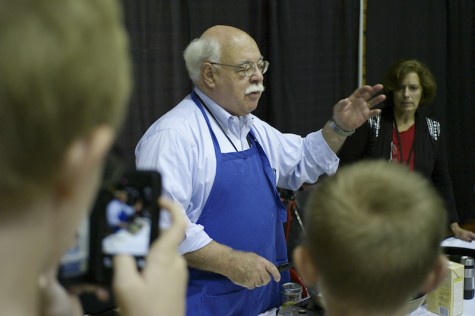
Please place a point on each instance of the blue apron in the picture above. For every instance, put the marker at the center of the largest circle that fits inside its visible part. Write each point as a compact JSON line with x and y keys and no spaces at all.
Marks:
{"x":244,"y":212}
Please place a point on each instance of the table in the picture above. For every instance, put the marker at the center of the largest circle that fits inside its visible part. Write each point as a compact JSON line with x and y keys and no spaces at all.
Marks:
{"x":468,"y":305}
{"x":468,"y":309}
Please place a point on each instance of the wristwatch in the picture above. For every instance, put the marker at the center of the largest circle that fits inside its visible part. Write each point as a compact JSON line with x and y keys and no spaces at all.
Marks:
{"x":340,"y":131}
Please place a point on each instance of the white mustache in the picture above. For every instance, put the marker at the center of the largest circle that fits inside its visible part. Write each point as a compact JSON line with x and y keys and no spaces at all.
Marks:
{"x":256,"y":87}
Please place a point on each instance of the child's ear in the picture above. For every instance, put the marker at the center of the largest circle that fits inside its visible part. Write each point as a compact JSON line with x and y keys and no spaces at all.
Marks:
{"x":438,"y":273}
{"x":305,"y":265}
{"x":83,"y":157}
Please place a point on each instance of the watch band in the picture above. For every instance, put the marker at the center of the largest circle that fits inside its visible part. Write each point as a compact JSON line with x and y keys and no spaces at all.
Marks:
{"x":340,"y":131}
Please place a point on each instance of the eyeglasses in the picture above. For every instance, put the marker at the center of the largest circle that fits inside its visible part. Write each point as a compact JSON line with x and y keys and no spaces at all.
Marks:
{"x":248,"y":68}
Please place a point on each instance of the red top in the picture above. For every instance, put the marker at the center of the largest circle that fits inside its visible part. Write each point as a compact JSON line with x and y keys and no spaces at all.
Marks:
{"x":407,"y":140}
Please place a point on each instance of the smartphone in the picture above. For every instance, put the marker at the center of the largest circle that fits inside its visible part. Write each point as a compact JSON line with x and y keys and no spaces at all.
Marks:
{"x":124,"y":220}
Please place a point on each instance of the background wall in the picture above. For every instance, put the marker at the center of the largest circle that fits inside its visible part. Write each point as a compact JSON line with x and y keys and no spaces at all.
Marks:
{"x":313,"y":50}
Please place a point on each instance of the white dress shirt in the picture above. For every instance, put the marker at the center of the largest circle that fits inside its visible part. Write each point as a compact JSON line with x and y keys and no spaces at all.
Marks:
{"x":180,"y":147}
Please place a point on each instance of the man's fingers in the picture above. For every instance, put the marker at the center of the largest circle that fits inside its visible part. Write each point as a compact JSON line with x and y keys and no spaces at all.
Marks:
{"x":373,"y":90}
{"x":376,"y":100}
{"x":366,"y":92}
{"x":361,"y":92}
{"x":273,"y":271}
{"x":377,"y":87}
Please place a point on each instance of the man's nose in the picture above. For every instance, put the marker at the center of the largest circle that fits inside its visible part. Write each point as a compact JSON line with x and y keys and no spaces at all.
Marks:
{"x":257,"y":75}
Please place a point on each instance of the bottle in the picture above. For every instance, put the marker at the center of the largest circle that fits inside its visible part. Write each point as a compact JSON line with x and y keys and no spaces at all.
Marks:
{"x":469,"y":278}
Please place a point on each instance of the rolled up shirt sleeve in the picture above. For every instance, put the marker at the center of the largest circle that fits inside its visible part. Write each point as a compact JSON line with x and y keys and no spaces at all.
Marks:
{"x":195,"y":236}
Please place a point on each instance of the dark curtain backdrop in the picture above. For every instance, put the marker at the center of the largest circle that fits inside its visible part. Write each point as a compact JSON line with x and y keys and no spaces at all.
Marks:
{"x":312,"y":47}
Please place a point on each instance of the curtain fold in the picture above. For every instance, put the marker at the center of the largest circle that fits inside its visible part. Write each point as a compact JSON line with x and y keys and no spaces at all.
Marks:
{"x":460,"y":110}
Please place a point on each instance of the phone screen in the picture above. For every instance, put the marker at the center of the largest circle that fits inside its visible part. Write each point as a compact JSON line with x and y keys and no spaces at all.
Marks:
{"x":124,"y":220}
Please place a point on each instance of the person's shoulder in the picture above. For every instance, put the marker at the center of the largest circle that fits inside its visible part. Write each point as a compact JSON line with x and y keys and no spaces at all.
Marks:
{"x":182,"y":113}
{"x":373,"y":125}
{"x":184,"y":117}
{"x":182,"y":123}
{"x":433,"y":127}
{"x":430,"y":120}
{"x":114,"y":203}
{"x":261,"y":128}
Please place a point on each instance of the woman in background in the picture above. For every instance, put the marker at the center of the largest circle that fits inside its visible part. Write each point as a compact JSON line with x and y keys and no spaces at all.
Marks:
{"x":401,"y":134}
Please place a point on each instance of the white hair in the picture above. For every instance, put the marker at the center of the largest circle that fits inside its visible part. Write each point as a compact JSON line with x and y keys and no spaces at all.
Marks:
{"x":198,"y":51}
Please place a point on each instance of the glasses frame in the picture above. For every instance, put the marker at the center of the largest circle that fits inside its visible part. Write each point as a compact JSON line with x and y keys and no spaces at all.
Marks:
{"x":249,"y":71}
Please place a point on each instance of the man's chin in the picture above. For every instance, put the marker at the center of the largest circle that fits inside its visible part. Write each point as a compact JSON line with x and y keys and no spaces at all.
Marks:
{"x":251,"y":107}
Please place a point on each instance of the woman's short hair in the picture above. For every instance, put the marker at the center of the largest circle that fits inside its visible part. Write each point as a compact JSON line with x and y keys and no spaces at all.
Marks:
{"x":398,"y":70}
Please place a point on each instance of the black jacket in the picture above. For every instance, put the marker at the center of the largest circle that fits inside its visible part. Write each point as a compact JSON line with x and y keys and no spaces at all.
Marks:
{"x":373,"y":140}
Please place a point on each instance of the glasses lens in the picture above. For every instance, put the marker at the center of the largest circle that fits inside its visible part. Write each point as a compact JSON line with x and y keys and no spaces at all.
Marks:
{"x":263,"y":65}
{"x":248,"y":69}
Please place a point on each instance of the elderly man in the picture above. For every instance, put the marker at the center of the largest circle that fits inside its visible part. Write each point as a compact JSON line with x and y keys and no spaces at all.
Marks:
{"x":222,"y":164}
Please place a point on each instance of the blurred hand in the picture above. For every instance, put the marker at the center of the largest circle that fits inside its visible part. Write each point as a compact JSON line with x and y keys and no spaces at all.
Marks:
{"x":461,"y":233}
{"x":57,"y":301}
{"x":251,"y":270}
{"x":352,"y":112}
{"x":160,"y":288}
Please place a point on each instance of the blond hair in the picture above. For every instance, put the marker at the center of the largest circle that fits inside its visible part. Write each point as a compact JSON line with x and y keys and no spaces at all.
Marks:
{"x":373,"y":232}
{"x":64,"y":70}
